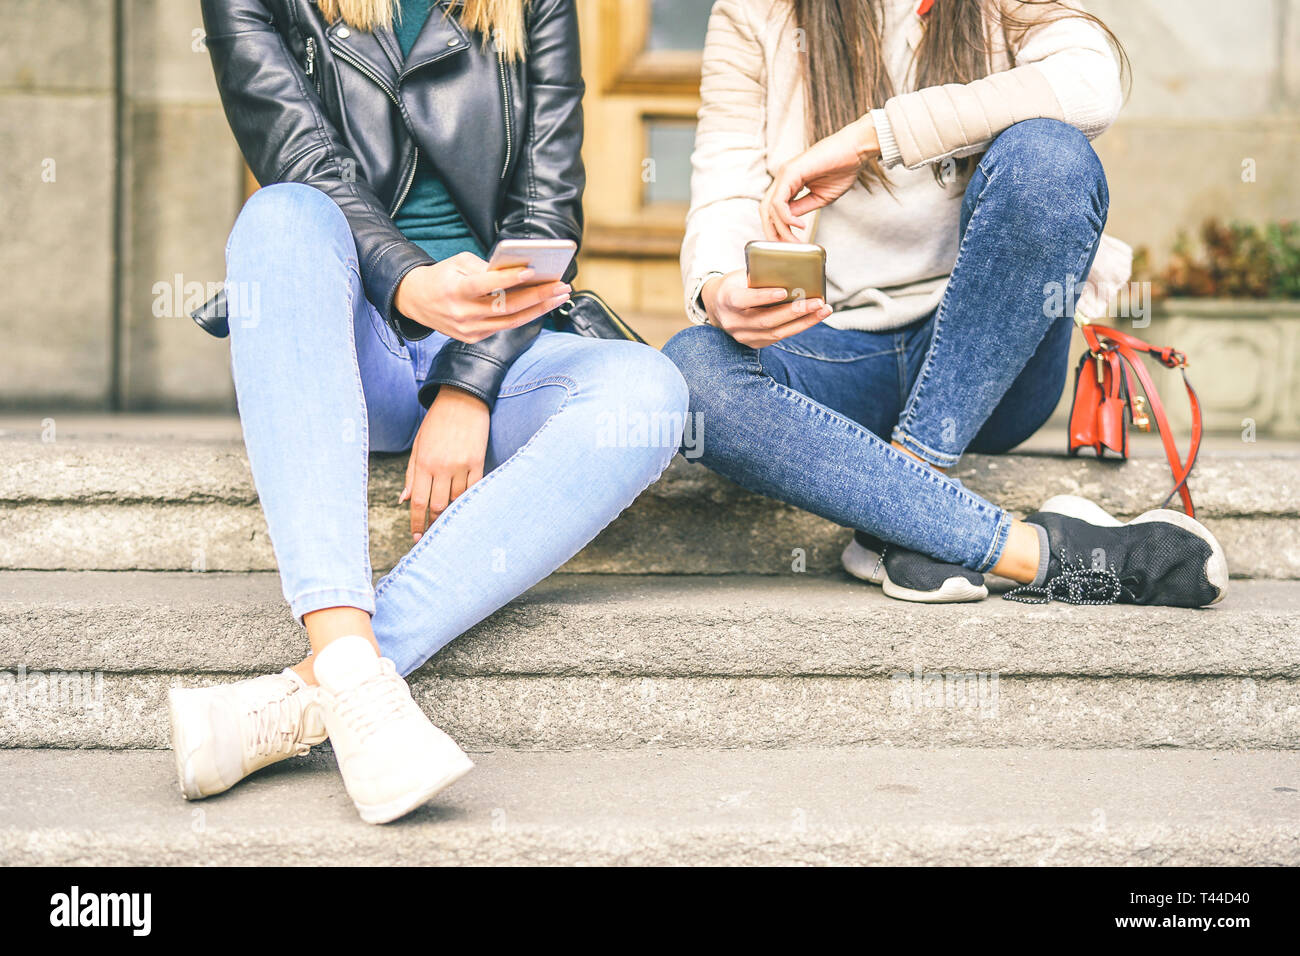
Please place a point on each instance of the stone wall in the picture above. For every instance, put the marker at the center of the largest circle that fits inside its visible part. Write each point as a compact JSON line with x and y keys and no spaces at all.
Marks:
{"x":1215,"y":85}
{"x":185,"y":181}
{"x":56,"y":198}
{"x":62,"y":94}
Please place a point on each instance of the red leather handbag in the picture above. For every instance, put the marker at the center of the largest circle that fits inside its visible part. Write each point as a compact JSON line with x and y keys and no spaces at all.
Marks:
{"x":1105,"y":402}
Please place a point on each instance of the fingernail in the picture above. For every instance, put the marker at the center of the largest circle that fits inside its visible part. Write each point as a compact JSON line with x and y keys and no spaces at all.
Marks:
{"x":527,"y":274}
{"x":417,"y":537}
{"x":406,"y":493}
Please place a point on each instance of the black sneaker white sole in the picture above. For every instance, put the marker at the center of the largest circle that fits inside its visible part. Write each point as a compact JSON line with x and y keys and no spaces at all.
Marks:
{"x":954,"y":590}
{"x":923,"y":580}
{"x":867,"y":564}
{"x":1215,"y":571}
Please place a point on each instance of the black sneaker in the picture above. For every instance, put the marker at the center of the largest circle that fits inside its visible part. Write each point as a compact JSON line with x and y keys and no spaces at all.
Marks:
{"x":1161,"y":557}
{"x":909,"y":576}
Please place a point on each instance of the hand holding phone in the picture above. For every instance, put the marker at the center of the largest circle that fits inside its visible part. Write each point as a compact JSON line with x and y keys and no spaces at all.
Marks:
{"x":759,"y":317}
{"x":464,"y":299}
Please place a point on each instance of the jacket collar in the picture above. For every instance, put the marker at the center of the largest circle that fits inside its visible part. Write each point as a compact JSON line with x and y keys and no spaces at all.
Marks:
{"x":378,"y":50}
{"x":441,"y":36}
{"x":369,"y":50}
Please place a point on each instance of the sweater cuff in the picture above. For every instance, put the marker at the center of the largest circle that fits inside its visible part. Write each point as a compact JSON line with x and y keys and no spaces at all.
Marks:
{"x":694,"y":306}
{"x":890,"y":154}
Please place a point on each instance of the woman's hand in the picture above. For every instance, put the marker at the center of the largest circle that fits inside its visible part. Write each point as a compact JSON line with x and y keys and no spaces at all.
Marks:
{"x":447,"y":457}
{"x":463,"y":298}
{"x":827,"y":170}
{"x":757,"y":317}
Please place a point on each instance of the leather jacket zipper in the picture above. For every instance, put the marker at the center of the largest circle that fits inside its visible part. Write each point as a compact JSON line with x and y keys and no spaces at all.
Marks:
{"x":410,"y":180}
{"x":378,"y":80}
{"x":505,"y":102}
{"x":311,"y":64}
{"x":346,"y":54}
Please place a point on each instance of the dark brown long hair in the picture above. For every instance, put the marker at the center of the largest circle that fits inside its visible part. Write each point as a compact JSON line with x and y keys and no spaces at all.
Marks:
{"x":844,"y":69}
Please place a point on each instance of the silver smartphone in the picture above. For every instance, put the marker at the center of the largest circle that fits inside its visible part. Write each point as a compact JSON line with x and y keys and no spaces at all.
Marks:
{"x":548,"y":258}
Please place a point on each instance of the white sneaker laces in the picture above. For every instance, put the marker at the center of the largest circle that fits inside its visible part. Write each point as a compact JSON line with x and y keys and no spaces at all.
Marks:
{"x":277,"y":727}
{"x":374,"y":701}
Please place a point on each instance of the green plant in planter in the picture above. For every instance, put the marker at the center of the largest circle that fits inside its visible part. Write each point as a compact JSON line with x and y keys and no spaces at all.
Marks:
{"x":1236,"y":260}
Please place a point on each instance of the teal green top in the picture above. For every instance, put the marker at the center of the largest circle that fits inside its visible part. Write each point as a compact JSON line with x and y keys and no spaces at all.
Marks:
{"x":428,"y":217}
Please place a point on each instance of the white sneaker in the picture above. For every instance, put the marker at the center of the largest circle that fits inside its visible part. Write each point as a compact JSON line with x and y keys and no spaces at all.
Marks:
{"x":391,"y":757}
{"x":222,"y":734}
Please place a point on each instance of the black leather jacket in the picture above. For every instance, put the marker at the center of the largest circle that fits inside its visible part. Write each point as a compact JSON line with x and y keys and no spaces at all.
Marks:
{"x":341,"y":110}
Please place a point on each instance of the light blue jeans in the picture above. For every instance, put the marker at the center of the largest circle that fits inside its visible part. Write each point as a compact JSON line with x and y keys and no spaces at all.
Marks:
{"x":581,"y":427}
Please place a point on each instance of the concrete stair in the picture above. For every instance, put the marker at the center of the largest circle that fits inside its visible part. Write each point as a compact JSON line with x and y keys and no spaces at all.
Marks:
{"x":184,"y":500}
{"x":954,"y":807}
{"x":679,"y":694}
{"x":596,"y":661}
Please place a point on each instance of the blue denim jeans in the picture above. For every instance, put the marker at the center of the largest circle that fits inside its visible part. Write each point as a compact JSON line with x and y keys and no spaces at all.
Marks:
{"x":809,"y":420}
{"x":580,"y":428}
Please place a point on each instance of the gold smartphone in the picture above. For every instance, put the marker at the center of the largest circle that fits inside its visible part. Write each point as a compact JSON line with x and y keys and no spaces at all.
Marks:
{"x":797,"y":267}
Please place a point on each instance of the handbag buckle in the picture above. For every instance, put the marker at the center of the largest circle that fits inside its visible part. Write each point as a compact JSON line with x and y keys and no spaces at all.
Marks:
{"x":1097,"y":360}
{"x":1139,"y":413}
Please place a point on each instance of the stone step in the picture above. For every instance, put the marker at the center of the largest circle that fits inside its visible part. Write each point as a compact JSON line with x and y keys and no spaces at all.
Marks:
{"x":820,"y":806}
{"x":160,"y":497}
{"x":602,"y":662}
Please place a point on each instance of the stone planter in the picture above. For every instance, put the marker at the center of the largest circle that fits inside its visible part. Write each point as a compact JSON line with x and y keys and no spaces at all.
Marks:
{"x":1244,"y":361}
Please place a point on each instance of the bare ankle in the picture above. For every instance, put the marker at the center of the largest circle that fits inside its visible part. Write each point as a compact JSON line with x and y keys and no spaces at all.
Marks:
{"x":1022,"y":554}
{"x":306,"y":671}
{"x":329,"y":624}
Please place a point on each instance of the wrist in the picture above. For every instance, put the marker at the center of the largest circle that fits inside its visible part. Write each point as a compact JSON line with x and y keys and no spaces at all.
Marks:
{"x":451,"y":397}
{"x":411,"y":292}
{"x":405,"y":293}
{"x":866,"y":141}
{"x":708,"y":296}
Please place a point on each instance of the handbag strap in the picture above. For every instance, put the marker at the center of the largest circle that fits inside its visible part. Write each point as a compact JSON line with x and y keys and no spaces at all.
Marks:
{"x":1129,"y":347}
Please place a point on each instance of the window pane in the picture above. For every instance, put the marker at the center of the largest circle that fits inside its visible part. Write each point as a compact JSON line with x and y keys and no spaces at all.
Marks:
{"x":668,"y":177}
{"x":678,"y":24}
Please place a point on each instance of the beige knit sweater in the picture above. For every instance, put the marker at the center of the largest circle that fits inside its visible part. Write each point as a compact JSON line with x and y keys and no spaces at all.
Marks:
{"x":888,"y":255}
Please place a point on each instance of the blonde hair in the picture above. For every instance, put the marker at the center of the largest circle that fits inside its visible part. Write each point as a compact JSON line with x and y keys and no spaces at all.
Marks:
{"x":502,"y":19}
